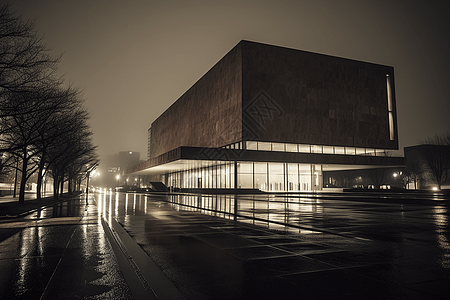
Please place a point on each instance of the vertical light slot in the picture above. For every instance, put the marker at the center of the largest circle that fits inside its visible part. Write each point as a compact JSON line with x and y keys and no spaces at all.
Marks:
{"x":389,"y":92}
{"x":390,"y":107}
{"x":391,"y":126}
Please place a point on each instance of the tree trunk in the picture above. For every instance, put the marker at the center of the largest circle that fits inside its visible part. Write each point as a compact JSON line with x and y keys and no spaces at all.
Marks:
{"x":55,"y":186}
{"x":62,"y":186}
{"x":39,"y":180}
{"x":23,"y":181}
{"x":69,"y":186}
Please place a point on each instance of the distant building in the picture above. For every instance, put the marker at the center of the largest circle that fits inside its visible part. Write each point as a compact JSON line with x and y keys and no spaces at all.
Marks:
{"x":128,"y":159}
{"x":418,"y":160}
{"x":272,"y":118}
{"x":115,"y":165}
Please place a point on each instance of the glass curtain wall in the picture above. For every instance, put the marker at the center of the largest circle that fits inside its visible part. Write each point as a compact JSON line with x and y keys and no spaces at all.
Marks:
{"x":265,"y":176}
{"x":216,"y":176}
{"x":306,"y":148}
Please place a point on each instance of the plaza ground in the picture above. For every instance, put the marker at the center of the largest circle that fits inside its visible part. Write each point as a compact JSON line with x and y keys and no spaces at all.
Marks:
{"x":311,"y":246}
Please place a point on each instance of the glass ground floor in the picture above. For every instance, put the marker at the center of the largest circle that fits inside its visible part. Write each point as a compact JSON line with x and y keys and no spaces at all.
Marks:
{"x":265,"y":176}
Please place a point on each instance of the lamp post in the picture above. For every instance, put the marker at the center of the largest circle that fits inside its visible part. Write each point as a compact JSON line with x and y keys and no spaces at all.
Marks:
{"x":398,"y":176}
{"x":88,"y":174}
{"x":87,"y":185}
{"x":117,"y":177}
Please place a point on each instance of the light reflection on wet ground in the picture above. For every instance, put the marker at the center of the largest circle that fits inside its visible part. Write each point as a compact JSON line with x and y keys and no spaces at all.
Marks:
{"x":327,"y":246}
{"x":59,"y":252}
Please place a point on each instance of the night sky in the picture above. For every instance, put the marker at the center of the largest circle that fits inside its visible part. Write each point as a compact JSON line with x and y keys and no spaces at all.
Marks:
{"x":133,"y":59}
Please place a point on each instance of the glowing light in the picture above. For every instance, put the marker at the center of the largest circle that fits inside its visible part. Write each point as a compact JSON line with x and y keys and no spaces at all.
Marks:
{"x":435,"y":188}
{"x":390,"y":107}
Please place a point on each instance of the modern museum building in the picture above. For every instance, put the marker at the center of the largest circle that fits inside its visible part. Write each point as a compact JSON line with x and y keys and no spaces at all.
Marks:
{"x":272,"y":118}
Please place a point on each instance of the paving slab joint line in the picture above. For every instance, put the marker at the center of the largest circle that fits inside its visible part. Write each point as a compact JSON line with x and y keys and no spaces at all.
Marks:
{"x":275,"y":222}
{"x":137,"y":284}
{"x":150,"y":275}
{"x":60,"y":259}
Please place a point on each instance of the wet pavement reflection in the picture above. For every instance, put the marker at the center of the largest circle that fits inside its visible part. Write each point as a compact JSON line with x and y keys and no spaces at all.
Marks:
{"x":275,"y":246}
{"x":59,"y":252}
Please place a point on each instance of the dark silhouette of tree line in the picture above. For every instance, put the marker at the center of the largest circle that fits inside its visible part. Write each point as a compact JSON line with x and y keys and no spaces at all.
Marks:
{"x":44,"y":127}
{"x":435,"y":157}
{"x":426,"y":164}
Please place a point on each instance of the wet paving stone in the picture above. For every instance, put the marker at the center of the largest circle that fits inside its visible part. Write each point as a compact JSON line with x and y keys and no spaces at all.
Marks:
{"x":303,"y":248}
{"x":61,"y":255}
{"x":258,"y":252}
{"x":307,"y":248}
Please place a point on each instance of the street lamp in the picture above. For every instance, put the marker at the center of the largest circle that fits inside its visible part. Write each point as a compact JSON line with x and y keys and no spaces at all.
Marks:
{"x":398,"y":176}
{"x":118,"y":177}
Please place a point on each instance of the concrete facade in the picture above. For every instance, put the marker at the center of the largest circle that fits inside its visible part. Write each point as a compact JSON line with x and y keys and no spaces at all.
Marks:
{"x":320,"y":99}
{"x":208,"y":114}
{"x":260,"y":92}
{"x":272,"y":118}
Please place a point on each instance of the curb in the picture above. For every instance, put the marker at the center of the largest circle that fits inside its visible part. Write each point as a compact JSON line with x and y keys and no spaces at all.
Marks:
{"x":143,"y":276}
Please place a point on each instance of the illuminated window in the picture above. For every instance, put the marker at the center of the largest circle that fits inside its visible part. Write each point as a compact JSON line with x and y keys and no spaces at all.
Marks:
{"x":245,"y":167}
{"x":316,"y":148}
{"x":370,"y":152}
{"x":339,"y":150}
{"x":328,"y":150}
{"x":260,"y":175}
{"x":390,"y":107}
{"x":350,"y":150}
{"x":380,"y":152}
{"x":264,"y":146}
{"x":260,"y":167}
{"x":278,"y":147}
{"x":360,"y":151}
{"x":291,"y":148}
{"x":252,"y":145}
{"x":260,"y":181}
{"x":292,"y":176}
{"x":304,"y":148}
{"x":245,"y":175}
{"x":276,"y":177}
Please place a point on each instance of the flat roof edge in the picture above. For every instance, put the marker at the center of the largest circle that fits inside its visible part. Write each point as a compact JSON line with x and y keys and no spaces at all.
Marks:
{"x":220,"y":154}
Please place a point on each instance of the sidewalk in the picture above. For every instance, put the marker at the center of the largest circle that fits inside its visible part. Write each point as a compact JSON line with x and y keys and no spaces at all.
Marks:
{"x":10,"y":198}
{"x":60,"y":252}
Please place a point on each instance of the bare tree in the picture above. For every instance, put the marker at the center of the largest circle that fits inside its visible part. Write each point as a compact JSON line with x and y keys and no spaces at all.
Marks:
{"x":24,"y":59}
{"x":25,"y":66}
{"x":41,"y":124}
{"x":63,"y":104}
{"x":21,"y":134}
{"x":412,"y":173}
{"x":436,"y":157}
{"x":378,"y":176}
{"x":72,"y":150}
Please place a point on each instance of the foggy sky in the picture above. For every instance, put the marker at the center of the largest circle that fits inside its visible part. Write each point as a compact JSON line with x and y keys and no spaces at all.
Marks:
{"x":133,"y":59}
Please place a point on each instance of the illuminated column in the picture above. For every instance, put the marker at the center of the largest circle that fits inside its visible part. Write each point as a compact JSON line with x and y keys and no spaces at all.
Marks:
{"x":390,"y":107}
{"x":235,"y":174}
